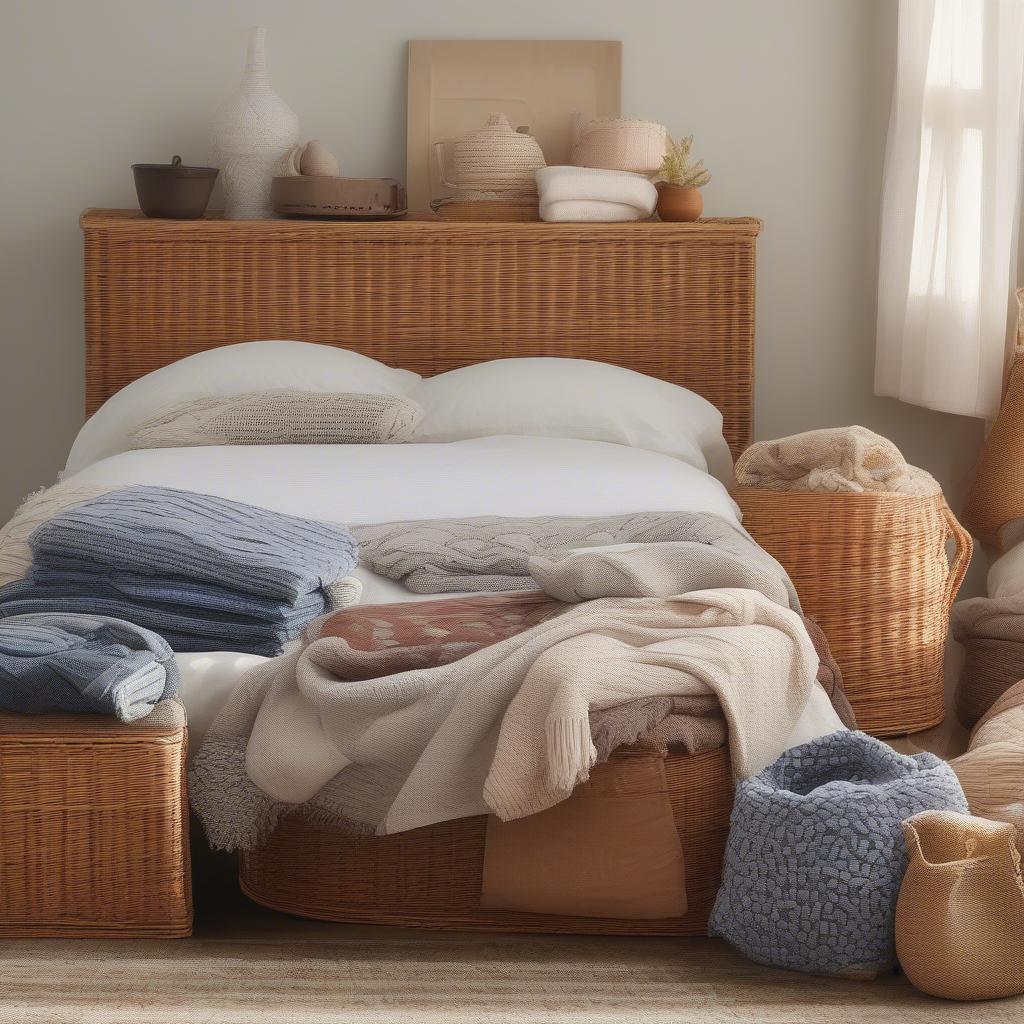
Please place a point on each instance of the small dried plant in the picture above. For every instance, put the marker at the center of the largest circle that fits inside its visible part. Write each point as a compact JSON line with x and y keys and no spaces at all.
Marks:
{"x":678,"y":169}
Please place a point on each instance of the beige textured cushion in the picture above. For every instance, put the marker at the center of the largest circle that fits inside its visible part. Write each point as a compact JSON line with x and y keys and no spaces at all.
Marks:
{"x":281,"y":417}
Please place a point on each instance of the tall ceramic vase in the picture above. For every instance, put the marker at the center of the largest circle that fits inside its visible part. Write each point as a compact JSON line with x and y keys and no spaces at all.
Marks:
{"x":253,"y":129}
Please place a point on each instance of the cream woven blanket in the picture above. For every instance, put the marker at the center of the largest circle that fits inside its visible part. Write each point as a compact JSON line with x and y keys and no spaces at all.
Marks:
{"x":507,"y":728}
{"x":837,"y":459}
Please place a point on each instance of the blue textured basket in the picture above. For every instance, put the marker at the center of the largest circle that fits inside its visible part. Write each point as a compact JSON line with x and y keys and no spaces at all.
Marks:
{"x":816,"y":854}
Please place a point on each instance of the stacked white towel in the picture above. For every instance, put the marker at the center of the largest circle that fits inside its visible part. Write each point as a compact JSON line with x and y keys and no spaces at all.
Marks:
{"x":590,"y":194}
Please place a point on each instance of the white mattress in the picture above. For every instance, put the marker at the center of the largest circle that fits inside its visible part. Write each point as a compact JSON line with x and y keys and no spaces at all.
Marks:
{"x":357,"y":484}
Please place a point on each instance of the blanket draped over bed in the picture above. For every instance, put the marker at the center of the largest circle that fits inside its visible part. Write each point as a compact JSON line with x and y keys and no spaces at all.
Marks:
{"x":506,"y":729}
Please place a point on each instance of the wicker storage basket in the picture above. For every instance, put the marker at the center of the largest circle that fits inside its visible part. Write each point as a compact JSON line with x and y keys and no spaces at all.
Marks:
{"x":431,"y":877}
{"x":93,"y":826}
{"x":873,"y":571}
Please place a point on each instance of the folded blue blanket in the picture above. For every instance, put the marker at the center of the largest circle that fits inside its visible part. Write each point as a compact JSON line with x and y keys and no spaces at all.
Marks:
{"x":83,"y":664}
{"x":205,"y":573}
{"x":185,"y":628}
{"x":160,"y":531}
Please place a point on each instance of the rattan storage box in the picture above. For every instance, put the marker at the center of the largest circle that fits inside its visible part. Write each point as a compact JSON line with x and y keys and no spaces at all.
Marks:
{"x":94,"y":826}
{"x":874,"y":571}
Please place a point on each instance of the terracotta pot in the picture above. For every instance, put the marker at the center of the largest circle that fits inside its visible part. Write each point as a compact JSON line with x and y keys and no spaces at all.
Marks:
{"x":675,"y":203}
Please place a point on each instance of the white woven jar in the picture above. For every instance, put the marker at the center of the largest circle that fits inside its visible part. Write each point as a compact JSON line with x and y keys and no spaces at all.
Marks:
{"x":253,"y":129}
{"x":619,"y":144}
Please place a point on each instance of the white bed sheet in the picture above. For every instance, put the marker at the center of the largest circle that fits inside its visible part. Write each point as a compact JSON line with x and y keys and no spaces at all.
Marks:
{"x":358,"y":484}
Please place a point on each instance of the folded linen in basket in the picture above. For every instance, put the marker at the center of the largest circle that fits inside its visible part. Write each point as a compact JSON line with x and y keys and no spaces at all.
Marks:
{"x":205,"y":572}
{"x":83,"y":664}
{"x":589,"y":194}
{"x":834,"y":459}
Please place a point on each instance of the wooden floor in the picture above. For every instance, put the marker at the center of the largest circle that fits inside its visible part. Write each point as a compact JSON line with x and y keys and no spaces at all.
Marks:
{"x":247,"y":965}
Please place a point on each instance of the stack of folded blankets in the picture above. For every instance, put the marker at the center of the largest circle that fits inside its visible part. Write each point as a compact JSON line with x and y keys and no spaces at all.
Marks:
{"x":204,"y":573}
{"x":589,"y":194}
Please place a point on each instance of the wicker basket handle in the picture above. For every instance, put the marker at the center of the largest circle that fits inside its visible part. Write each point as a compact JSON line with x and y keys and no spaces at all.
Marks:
{"x":961,"y":556}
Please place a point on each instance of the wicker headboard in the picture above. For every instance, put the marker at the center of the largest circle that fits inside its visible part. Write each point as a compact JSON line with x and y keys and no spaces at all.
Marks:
{"x":672,"y":300}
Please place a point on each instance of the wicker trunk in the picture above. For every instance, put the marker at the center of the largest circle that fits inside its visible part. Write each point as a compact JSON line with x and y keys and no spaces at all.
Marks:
{"x":431,"y":877}
{"x":93,"y":826}
{"x":873,"y":571}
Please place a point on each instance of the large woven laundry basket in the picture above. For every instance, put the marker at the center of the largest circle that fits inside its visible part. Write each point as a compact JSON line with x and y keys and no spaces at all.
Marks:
{"x":875,"y":572}
{"x":94,"y":826}
{"x":431,"y":877}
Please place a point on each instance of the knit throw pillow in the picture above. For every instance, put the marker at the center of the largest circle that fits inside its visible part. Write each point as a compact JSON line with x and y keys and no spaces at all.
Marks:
{"x":283,"y":416}
{"x":816,"y":853}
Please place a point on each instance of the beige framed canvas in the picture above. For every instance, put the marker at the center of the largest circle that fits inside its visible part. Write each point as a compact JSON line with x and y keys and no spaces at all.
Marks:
{"x":455,"y":84}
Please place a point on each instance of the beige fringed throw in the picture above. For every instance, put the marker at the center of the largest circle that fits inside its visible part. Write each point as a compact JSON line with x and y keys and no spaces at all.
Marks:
{"x":837,"y":459}
{"x":508,"y":727}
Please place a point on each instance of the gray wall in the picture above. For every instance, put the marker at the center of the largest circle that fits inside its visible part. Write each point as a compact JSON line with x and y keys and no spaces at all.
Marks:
{"x":788,"y":100}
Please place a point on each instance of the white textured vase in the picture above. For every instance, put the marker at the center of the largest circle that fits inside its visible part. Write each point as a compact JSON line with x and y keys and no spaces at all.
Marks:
{"x":253,"y":129}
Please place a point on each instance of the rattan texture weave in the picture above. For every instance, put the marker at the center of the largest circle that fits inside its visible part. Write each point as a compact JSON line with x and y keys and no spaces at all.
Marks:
{"x":93,"y":828}
{"x":431,"y":877}
{"x":672,"y":300}
{"x":873,"y":571}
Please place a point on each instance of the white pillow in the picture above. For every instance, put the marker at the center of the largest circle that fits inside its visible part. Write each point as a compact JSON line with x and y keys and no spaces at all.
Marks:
{"x":578,"y":398}
{"x":231,"y":370}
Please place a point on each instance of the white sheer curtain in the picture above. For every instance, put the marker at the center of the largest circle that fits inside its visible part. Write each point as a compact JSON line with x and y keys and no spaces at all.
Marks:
{"x":950,"y":204}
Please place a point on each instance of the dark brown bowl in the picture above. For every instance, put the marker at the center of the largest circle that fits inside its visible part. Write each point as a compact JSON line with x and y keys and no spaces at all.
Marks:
{"x":173,"y":190}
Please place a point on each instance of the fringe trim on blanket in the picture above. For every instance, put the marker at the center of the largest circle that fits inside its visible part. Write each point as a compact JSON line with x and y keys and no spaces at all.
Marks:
{"x":235,"y":813}
{"x":571,"y":752}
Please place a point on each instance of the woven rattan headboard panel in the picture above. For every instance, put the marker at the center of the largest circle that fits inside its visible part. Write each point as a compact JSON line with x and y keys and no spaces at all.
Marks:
{"x":672,"y":300}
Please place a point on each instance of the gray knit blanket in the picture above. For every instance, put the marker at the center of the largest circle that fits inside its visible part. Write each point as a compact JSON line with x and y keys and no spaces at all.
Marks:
{"x":492,"y":553}
{"x":83,"y":664}
{"x":204,"y":572}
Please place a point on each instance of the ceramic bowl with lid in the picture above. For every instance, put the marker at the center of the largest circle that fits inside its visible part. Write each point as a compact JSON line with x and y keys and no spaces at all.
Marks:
{"x":173,"y":190}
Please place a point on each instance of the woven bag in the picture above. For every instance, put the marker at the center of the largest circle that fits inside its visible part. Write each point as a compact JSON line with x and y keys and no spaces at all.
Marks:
{"x":872,"y":570}
{"x":814,"y":859}
{"x":996,"y":494}
{"x":960,"y":912}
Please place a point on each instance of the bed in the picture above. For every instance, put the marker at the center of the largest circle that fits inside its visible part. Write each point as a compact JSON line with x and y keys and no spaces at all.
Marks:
{"x":674,"y":301}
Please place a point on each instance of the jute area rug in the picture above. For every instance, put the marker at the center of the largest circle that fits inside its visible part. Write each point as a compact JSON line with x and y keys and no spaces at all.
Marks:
{"x":374,"y":976}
